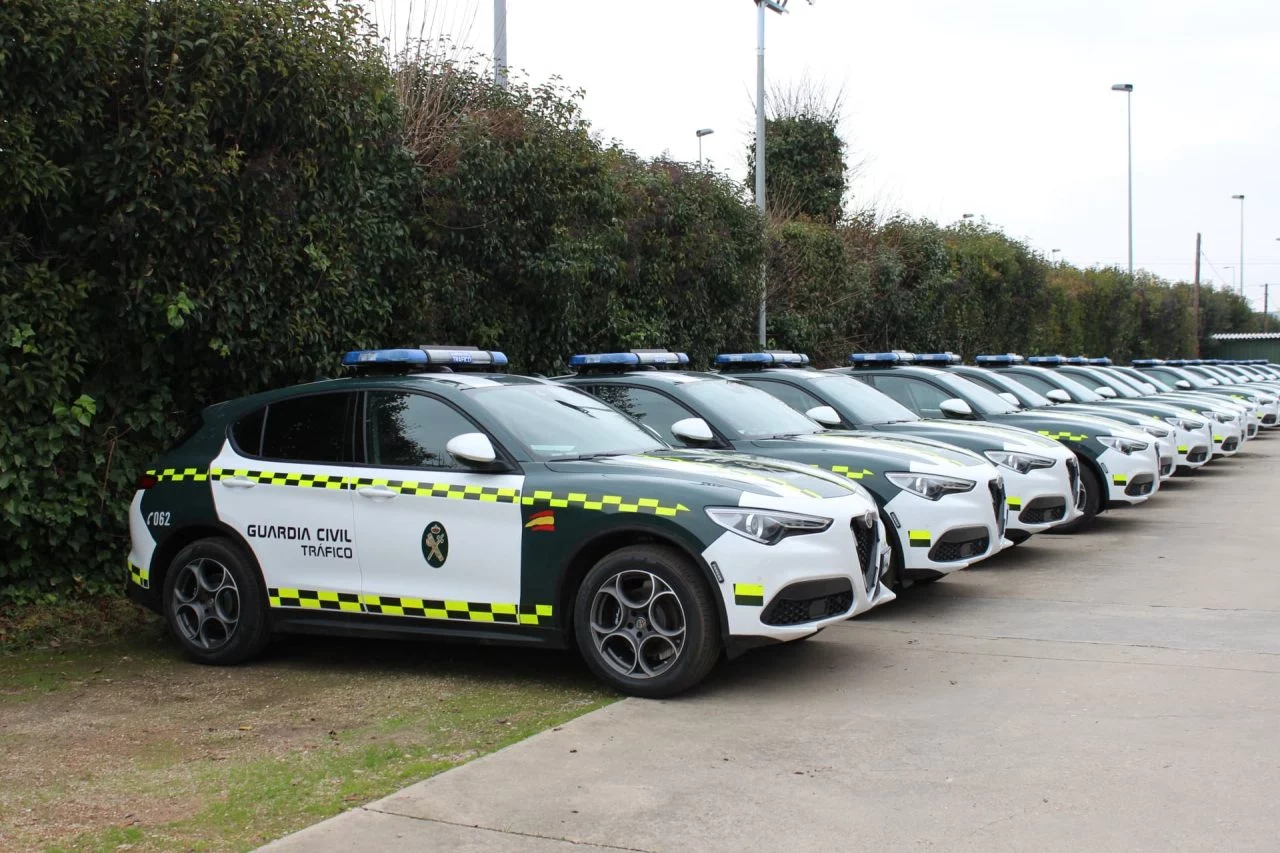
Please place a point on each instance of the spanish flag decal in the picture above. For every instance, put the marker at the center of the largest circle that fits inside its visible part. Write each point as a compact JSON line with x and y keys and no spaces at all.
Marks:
{"x":545,"y":521}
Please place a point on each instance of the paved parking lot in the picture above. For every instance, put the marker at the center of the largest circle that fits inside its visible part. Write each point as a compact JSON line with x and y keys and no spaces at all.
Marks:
{"x":1113,"y":691}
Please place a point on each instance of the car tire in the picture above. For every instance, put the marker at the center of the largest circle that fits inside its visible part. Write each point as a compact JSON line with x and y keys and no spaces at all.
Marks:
{"x":1093,"y":501}
{"x":645,"y":622}
{"x":214,"y":604}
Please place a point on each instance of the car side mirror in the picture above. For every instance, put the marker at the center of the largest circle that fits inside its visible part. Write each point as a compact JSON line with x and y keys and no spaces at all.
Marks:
{"x":1010,"y":399}
{"x":472,"y":448}
{"x":825,"y":415}
{"x":1106,"y":391}
{"x":694,"y":430}
{"x":1057,"y":395}
{"x":956,"y":408}
{"x":1182,"y":385}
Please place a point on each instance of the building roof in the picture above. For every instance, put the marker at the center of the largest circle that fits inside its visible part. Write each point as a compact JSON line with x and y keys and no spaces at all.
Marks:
{"x":1246,"y":336}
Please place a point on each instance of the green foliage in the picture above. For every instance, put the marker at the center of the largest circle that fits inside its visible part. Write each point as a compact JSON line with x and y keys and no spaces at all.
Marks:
{"x":804,"y":167}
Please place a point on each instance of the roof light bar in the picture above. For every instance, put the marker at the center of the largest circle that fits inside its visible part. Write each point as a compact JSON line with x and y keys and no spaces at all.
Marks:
{"x":1146,"y":362}
{"x":423,"y":359}
{"x":1050,"y":360}
{"x":756,"y":360}
{"x":407,"y":357}
{"x":1003,"y":358}
{"x":1100,"y":361}
{"x":628,"y":360}
{"x":1077,"y":359}
{"x":871,"y":359}
{"x":937,"y":358}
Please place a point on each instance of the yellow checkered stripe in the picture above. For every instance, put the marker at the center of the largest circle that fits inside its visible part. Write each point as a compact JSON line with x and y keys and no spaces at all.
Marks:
{"x":1062,"y":436}
{"x":139,"y":575}
{"x":1184,"y":449}
{"x":1120,"y":479}
{"x":748,"y":594}
{"x":1014,"y":503}
{"x":282,"y":478}
{"x":602,"y":503}
{"x":919,"y":538}
{"x":420,"y":608}
{"x":1218,"y":439}
{"x":852,"y":475}
{"x":452,"y":491}
{"x":179,"y":475}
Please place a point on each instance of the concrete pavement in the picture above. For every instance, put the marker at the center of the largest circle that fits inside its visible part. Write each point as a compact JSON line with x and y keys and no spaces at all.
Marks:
{"x":1118,"y":690}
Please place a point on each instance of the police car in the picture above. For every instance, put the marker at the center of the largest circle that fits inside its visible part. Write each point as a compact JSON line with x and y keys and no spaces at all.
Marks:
{"x":1227,"y":418}
{"x":1041,"y":476}
{"x":1182,"y":379}
{"x":432,"y":494}
{"x":1118,"y":465}
{"x":944,"y":508}
{"x":1261,"y":394}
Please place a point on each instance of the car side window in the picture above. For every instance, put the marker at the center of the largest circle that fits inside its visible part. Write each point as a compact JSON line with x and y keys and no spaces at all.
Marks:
{"x":305,"y":429}
{"x":404,"y":430}
{"x":797,"y":398}
{"x":654,"y":410}
{"x":246,"y":433}
{"x":924,"y":398}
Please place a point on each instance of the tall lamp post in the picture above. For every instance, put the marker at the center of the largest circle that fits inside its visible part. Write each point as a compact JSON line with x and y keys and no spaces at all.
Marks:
{"x":706,"y":131}
{"x":1240,"y":198}
{"x":779,"y":6}
{"x":1127,"y":88}
{"x":500,"y":43}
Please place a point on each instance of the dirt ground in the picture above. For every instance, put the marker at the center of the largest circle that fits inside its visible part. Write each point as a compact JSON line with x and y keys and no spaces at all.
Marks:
{"x":126,"y":745}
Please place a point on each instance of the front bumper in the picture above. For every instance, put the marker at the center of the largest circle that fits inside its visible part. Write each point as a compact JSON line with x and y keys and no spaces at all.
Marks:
{"x":1040,"y":499}
{"x":1130,"y":478}
{"x":946,"y":535}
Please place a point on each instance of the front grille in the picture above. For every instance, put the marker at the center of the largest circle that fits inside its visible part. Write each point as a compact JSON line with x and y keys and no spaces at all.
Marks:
{"x":867,"y":543}
{"x":1198,"y":454}
{"x":1166,"y":466}
{"x":949,"y":552}
{"x":1269,"y":420}
{"x":1043,"y":511}
{"x":998,"y":504}
{"x":1230,"y":444}
{"x":796,"y":611}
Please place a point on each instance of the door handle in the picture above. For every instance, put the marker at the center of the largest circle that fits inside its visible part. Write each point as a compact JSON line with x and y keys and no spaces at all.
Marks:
{"x":376,"y":492}
{"x":238,"y":482}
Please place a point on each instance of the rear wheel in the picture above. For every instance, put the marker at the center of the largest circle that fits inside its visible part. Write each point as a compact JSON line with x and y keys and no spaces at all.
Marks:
{"x":645,"y":622}
{"x":1090,"y":503}
{"x":214,"y":604}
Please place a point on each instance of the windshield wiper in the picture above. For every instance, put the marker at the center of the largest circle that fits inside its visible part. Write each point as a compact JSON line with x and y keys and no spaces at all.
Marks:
{"x":588,"y":412}
{"x":582,"y":457}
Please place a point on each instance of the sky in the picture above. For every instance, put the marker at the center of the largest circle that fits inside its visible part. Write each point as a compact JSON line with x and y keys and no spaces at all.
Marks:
{"x":998,"y":108}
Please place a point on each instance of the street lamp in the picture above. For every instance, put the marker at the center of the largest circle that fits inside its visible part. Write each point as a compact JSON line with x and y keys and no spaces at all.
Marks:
{"x":1127,"y":88}
{"x":1053,"y":255}
{"x":706,"y":131}
{"x":966,"y":216}
{"x":1240,"y":198}
{"x":779,"y":6}
{"x":500,"y":43}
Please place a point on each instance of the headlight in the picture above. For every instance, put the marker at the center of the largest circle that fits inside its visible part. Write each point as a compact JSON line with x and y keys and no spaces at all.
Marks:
{"x":1185,"y":424}
{"x":1224,"y":418}
{"x":1020,"y":462}
{"x":1124,"y":445}
{"x":1266,"y":401}
{"x":766,"y":526}
{"x":930,"y":486}
{"x":1157,"y":431}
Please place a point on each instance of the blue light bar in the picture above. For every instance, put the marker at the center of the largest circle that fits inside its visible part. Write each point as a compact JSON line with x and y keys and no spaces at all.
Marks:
{"x":791,"y":359}
{"x":410,"y":357}
{"x":1177,"y":362}
{"x":1077,"y":359}
{"x":1146,"y":362}
{"x":635,"y":358}
{"x":1050,"y":360}
{"x":464,"y":357}
{"x":937,"y":358}
{"x":1004,"y":358}
{"x":864,"y":359}
{"x":1101,"y":361}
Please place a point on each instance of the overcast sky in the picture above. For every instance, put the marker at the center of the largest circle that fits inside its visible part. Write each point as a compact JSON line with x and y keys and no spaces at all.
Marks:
{"x":999,"y":108}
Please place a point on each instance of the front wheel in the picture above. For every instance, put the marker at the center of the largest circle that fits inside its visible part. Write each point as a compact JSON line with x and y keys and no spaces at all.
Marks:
{"x":645,"y":622}
{"x":1090,"y":503}
{"x":214,"y":604}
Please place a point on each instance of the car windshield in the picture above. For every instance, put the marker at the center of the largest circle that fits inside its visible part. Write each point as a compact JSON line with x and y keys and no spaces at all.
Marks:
{"x":1118,"y":380}
{"x":1077,"y":391}
{"x":1139,"y":376}
{"x":1173,"y":374}
{"x":984,"y":401}
{"x":1095,"y":378}
{"x":1029,"y":397}
{"x":556,"y":422}
{"x":862,"y":403}
{"x":747,"y":412}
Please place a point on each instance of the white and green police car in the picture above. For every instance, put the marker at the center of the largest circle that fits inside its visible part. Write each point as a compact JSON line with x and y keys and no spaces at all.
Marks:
{"x":432,"y":494}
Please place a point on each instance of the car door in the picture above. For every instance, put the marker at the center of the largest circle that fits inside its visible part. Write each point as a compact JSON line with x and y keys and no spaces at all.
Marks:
{"x":436,"y":539}
{"x":281,"y":482}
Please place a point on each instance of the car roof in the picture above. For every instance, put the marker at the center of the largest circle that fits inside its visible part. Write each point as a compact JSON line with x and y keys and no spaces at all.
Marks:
{"x":652,"y":377}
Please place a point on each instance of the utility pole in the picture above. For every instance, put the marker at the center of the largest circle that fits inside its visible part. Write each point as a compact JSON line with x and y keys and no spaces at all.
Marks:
{"x":1195,"y":299}
{"x":1266,"y":307}
{"x":500,"y":43}
{"x":760,"y":129}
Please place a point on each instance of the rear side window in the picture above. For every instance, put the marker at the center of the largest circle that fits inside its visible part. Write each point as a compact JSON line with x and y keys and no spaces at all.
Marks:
{"x":247,"y":433}
{"x":306,"y":429}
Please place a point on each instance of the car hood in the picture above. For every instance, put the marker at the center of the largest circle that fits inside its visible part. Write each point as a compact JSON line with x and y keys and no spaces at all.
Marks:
{"x":717,"y":469}
{"x":878,"y":450}
{"x":975,"y":435}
